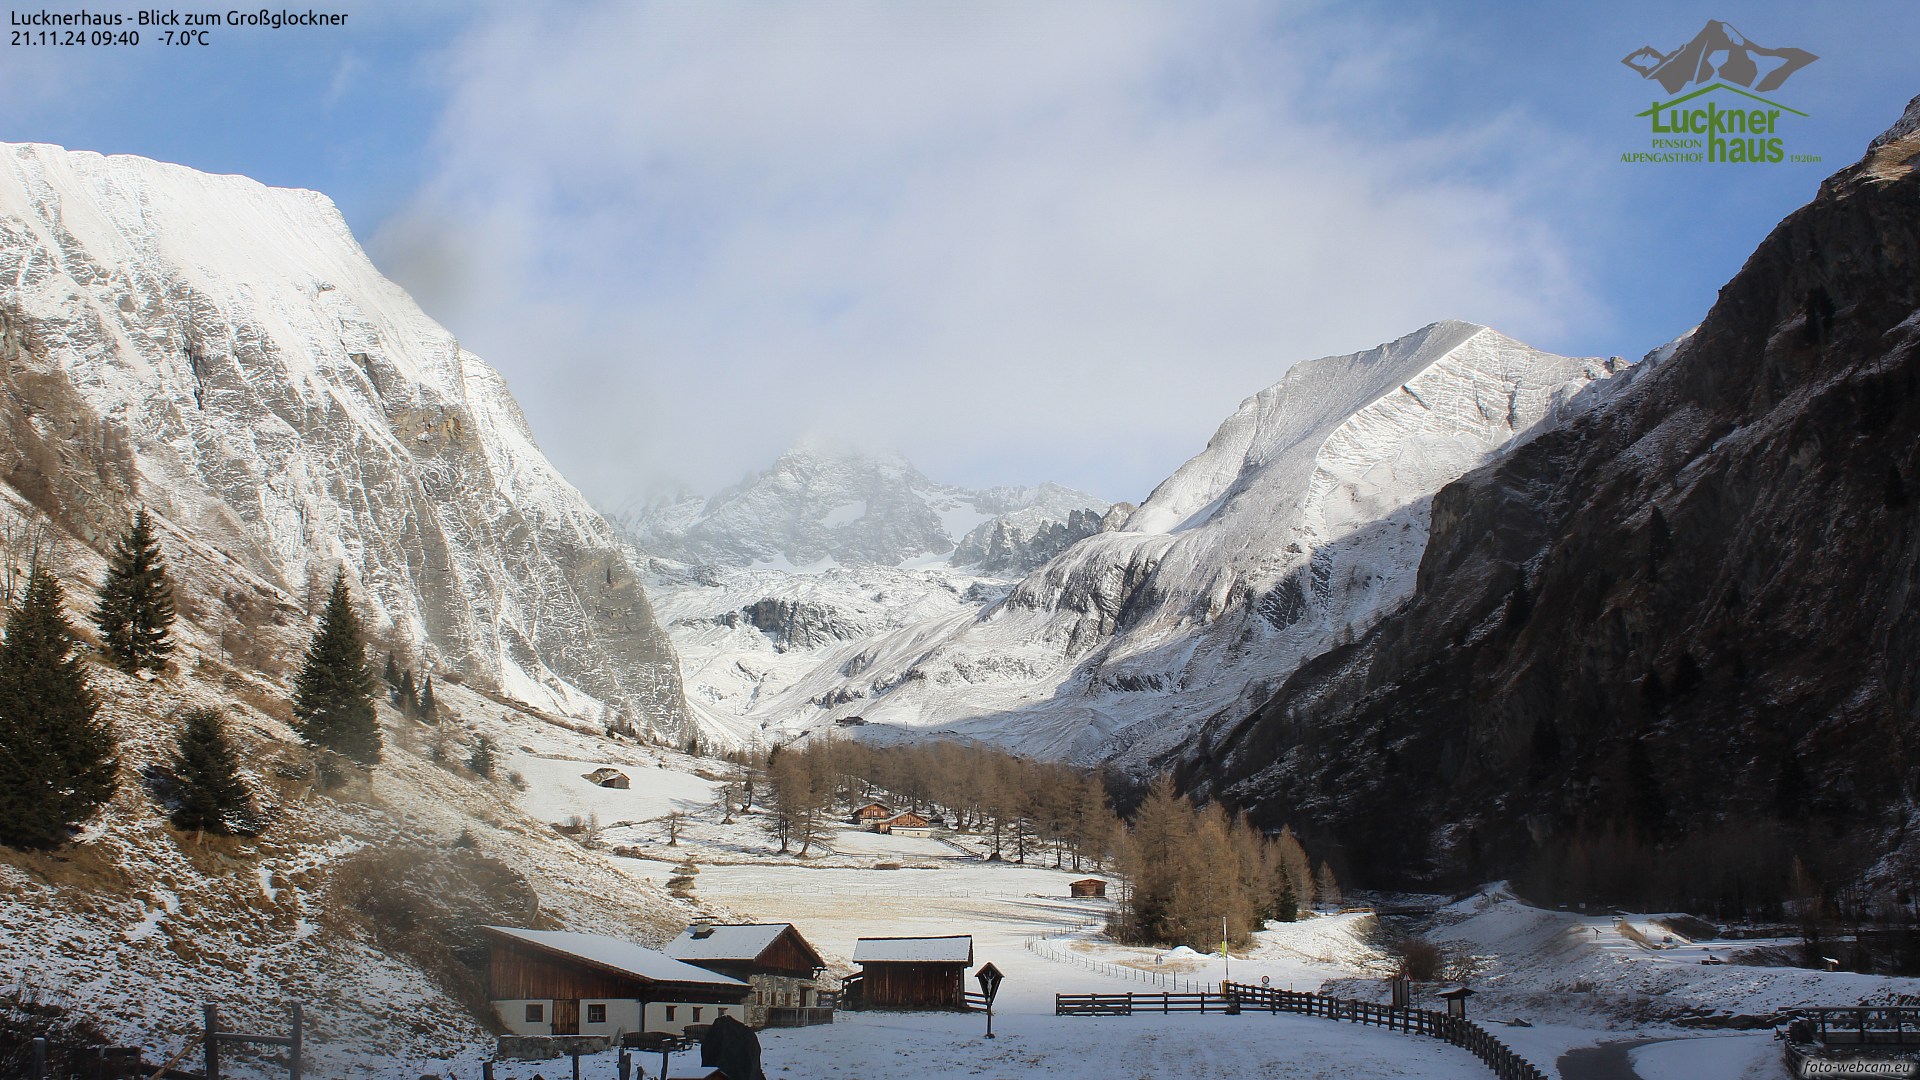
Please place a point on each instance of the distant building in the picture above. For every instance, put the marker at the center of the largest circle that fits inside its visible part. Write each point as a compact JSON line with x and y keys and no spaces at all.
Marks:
{"x":772,"y":958}
{"x":608,"y":778}
{"x":913,"y":973}
{"x":1092,"y":886}
{"x":557,"y":982}
{"x":870,"y":813}
{"x":907,"y":824}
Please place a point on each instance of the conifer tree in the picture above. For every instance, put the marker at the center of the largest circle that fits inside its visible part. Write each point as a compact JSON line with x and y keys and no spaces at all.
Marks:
{"x":426,"y":699}
{"x":391,"y":676}
{"x":206,"y":775}
{"x":57,"y":756}
{"x":405,"y":697}
{"x":333,"y":696}
{"x":481,"y":760}
{"x":135,"y":609}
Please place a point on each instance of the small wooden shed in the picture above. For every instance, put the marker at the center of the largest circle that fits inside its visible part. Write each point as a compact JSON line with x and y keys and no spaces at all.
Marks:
{"x":871,"y":813}
{"x":1092,"y":886}
{"x":914,"y":972}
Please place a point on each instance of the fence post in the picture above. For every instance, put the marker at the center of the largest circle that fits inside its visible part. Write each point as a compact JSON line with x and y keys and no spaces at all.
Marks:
{"x":213,"y":1043}
{"x":294,"y":1048}
{"x":486,"y":1070}
{"x":39,"y":1058}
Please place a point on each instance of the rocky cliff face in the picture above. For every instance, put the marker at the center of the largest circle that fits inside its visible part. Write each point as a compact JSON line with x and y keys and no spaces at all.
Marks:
{"x":224,"y":353}
{"x":1676,"y":636}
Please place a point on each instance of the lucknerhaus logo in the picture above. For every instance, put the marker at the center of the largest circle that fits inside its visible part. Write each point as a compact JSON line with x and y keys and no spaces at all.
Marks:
{"x":1728,"y":116}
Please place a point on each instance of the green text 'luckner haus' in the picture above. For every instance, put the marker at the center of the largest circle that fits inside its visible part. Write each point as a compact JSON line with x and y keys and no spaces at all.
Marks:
{"x":1731,"y":135}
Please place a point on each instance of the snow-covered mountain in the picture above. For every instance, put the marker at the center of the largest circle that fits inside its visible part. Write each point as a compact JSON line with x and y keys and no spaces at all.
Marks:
{"x":254,"y":380}
{"x":832,"y":546}
{"x":824,"y":505}
{"x":1299,"y":524}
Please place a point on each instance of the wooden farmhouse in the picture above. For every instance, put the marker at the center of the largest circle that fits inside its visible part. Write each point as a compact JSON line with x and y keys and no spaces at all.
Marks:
{"x":772,"y":958}
{"x":870,"y":813}
{"x":907,"y":824}
{"x":557,"y":982}
{"x":914,"y":973}
{"x":1092,"y":886}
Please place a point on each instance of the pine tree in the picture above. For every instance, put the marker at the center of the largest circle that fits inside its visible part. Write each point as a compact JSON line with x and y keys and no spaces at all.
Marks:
{"x":481,"y":760}
{"x":57,"y":757}
{"x":426,"y":700}
{"x":135,"y":610}
{"x":405,"y":697}
{"x":206,"y":776}
{"x":333,"y":696}
{"x":391,"y":676}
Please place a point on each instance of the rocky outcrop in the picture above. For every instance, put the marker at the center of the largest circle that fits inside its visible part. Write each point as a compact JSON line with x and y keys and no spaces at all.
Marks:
{"x":224,"y":353}
{"x":1681,"y":628}
{"x":1017,"y":543}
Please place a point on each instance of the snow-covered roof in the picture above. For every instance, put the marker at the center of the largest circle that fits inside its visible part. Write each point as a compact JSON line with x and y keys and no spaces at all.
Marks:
{"x":927,"y":950}
{"x":726,"y":941}
{"x":613,"y":954}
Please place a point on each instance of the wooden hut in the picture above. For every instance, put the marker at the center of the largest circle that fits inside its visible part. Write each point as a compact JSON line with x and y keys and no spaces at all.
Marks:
{"x":557,"y":982}
{"x":772,"y":958}
{"x":871,"y":813}
{"x":907,"y":824}
{"x":1092,"y":886}
{"x":914,"y":972}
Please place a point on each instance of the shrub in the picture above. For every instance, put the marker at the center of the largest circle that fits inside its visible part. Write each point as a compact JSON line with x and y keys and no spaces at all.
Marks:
{"x":427,"y":906}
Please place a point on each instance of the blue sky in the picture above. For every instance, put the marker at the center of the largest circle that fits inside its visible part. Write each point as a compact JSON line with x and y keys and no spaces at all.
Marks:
{"x":1017,"y":242}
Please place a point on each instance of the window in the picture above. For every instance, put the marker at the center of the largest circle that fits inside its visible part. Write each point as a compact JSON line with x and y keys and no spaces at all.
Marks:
{"x":696,"y":1014}
{"x":536,"y":1014}
{"x":596,"y":1014}
{"x":670,"y":1011}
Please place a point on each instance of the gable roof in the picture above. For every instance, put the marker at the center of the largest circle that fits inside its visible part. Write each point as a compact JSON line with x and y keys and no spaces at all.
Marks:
{"x":957,"y":949}
{"x":612,"y":954}
{"x":736,"y":941}
{"x":908,"y":818}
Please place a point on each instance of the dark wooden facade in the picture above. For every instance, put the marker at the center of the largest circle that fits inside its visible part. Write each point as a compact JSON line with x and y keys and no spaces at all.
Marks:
{"x":913,"y":985}
{"x":519,"y":970}
{"x":1088,"y":887}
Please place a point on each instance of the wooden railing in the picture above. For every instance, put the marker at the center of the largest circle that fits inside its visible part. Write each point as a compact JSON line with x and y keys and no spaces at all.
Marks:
{"x":1240,"y":998}
{"x":1128,"y":1004}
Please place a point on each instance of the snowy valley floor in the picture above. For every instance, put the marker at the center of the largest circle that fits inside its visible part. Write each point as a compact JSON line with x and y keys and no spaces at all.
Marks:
{"x":1578,"y":981}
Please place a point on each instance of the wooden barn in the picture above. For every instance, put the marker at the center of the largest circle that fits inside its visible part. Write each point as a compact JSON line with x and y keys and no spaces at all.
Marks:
{"x":870,"y":813}
{"x":772,"y":958}
{"x":907,"y":824}
{"x":1092,"y":886}
{"x":557,"y":982}
{"x":914,"y":972}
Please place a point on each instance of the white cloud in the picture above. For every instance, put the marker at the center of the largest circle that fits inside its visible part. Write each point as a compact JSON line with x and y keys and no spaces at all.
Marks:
{"x":1015,"y":241}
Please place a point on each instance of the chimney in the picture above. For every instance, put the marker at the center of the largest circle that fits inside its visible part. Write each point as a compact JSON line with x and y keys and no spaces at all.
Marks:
{"x":700,"y":928}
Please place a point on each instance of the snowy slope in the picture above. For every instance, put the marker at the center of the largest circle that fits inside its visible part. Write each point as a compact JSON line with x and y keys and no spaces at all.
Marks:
{"x":284,"y":403}
{"x":1302,"y":520}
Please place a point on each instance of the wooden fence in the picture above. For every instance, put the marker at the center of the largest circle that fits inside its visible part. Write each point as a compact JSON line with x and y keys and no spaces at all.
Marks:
{"x":1240,"y":998}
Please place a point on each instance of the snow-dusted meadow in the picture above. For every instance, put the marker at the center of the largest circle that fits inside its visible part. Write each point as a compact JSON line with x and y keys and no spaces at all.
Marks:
{"x":1578,"y":982}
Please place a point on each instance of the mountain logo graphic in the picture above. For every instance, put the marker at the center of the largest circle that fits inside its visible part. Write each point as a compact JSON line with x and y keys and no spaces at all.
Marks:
{"x":1718,"y":53}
